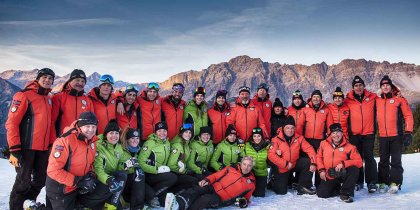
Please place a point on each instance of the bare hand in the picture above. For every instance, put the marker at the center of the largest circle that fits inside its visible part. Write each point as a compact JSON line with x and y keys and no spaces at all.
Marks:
{"x":289,"y":166}
{"x":203,"y":183}
{"x":322,"y":176}
{"x":312,"y":168}
{"x":120,"y":108}
{"x":278,"y":152}
{"x":339,"y":167}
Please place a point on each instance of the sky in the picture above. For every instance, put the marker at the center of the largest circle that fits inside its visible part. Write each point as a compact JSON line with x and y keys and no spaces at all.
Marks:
{"x":142,"y":41}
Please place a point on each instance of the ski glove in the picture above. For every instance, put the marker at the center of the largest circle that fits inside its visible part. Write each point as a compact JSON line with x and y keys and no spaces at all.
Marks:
{"x":336,"y":174}
{"x":181,"y":166}
{"x":132,"y":162}
{"x":241,"y":202}
{"x":114,"y":184}
{"x":163,"y":169}
{"x":241,"y":144}
{"x":139,"y":175}
{"x":408,"y":139}
{"x":87,"y":183}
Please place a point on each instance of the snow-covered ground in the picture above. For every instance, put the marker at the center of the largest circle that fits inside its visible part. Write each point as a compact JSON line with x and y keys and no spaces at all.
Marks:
{"x":408,"y":198}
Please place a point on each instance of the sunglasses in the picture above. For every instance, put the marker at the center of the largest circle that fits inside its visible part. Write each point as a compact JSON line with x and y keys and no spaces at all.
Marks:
{"x":153,"y":85}
{"x":107,"y":78}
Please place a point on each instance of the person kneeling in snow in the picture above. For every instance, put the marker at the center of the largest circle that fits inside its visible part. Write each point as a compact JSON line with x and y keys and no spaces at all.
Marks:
{"x":231,"y":185}
{"x":339,"y":164}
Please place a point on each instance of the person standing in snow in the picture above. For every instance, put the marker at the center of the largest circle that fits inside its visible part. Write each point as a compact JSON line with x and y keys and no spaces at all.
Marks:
{"x":395,"y":123}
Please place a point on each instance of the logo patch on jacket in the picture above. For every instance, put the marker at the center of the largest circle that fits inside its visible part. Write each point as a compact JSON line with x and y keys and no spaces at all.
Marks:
{"x":367,"y":99}
{"x":345,"y":112}
{"x":391,"y":101}
{"x":341,"y":149}
{"x":322,"y":111}
{"x":92,"y":145}
{"x":83,"y":102}
{"x":227,"y":113}
{"x":16,"y":102}
{"x":112,"y":102}
{"x":57,"y":154}
{"x":252,"y":108}
{"x":145,"y":148}
{"x":181,"y":107}
{"x":174,"y":151}
{"x":248,"y":181}
{"x":59,"y":148}
{"x":13,"y":109}
{"x":267,"y":105}
{"x":49,"y":101}
{"x":156,"y":101}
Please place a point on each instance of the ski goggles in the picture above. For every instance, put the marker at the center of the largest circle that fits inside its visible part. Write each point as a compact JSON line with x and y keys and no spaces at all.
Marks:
{"x":178,"y":87}
{"x":187,"y":126}
{"x":131,"y":87}
{"x":297,"y":94}
{"x":256,"y":130}
{"x":338,"y":94}
{"x":106,"y":78}
{"x":200,"y":90}
{"x":153,"y":85}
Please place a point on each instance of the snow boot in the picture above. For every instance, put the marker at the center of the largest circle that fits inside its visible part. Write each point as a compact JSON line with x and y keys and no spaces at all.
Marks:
{"x":305,"y":190}
{"x":170,"y":202}
{"x":393,"y":188}
{"x":346,"y":198}
{"x":32,"y":205}
{"x":372,"y":188}
{"x":358,"y":186}
{"x":383,"y":188}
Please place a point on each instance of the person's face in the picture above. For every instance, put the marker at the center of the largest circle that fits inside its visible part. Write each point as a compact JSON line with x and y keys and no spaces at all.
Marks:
{"x":105,"y":89}
{"x":244,"y":96}
{"x":78,"y":84}
{"x":88,"y":130}
{"x":257,"y":138}
{"x":46,"y":81}
{"x":177,"y":94}
{"x":220,"y":100}
{"x":297,"y":102}
{"x":231,"y":138}
{"x":289,"y":130}
{"x":151,"y":94}
{"x":133,"y":141}
{"x":358,"y":88}
{"x":386,"y":88}
{"x":338,"y":101}
{"x":162,"y":134}
{"x":337,"y":136}
{"x":278,"y":110}
{"x":199,"y":98}
{"x":262,"y":93}
{"x":187,"y":135}
{"x":130,"y":97}
{"x":205,"y":137}
{"x":113,"y":137}
{"x":316,"y":99}
{"x":246,"y":166}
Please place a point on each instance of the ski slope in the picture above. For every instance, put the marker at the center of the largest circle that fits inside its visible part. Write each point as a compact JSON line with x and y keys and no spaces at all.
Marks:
{"x":407,"y":198}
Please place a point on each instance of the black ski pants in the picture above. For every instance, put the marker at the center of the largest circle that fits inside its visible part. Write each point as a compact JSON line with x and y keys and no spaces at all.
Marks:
{"x":365,"y":145}
{"x":280,"y":180}
{"x":343,"y":185}
{"x":390,"y":171}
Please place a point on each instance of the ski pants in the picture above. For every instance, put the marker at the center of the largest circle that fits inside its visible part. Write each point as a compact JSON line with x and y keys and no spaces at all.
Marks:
{"x":390,"y":171}
{"x":365,"y":145}
{"x":343,"y":185}
{"x":198,"y":198}
{"x":161,"y":183}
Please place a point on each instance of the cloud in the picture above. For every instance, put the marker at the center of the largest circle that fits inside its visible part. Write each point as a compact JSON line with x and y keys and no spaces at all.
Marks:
{"x":64,"y":22}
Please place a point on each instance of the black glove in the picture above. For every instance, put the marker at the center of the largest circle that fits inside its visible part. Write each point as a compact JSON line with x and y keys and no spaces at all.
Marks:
{"x":241,"y":202}
{"x":408,"y":139}
{"x":5,"y":152}
{"x":336,"y":174}
{"x":87,"y":183}
{"x":114,"y":185}
{"x":331,"y":172}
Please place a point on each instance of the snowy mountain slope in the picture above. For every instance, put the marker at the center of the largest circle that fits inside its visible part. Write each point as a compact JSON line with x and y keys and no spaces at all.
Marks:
{"x":408,"y":198}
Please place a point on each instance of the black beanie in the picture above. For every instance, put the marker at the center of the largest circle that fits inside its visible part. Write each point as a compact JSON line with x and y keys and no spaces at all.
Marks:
{"x":356,"y":80}
{"x":200,"y":90}
{"x":132,"y":133}
{"x":257,"y":130}
{"x":338,"y":93}
{"x":316,"y":92}
{"x":385,"y":80}
{"x":297,"y":94}
{"x":277,"y":102}
{"x":230,"y":130}
{"x":87,"y":118}
{"x":335,"y":127}
{"x":263,"y":86}
{"x":205,"y":129}
{"x":45,"y":71}
{"x":161,"y":125}
{"x":289,"y":121}
{"x":111,"y":126}
{"x":222,"y":93}
{"x":244,"y":88}
{"x":77,"y":73}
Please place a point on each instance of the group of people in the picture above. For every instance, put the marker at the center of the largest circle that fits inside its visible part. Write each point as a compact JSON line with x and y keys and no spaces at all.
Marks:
{"x":128,"y":149}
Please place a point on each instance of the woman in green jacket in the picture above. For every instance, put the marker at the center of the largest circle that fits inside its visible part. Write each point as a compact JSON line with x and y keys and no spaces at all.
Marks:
{"x":257,"y":148}
{"x":227,"y":152}
{"x":135,"y":191}
{"x":109,"y":153}
{"x":196,"y":110}
{"x":153,"y":159}
{"x":201,"y":152}
{"x":180,"y":153}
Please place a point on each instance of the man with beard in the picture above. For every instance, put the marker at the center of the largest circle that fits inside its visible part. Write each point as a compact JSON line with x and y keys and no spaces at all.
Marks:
{"x":245,"y":115}
{"x":69,"y":103}
{"x":173,"y":109}
{"x":339,"y":110}
{"x":262,"y":100}
{"x":151,"y":109}
{"x":295,"y":110}
{"x":217,"y":116}
{"x":128,"y":110}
